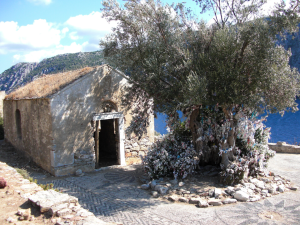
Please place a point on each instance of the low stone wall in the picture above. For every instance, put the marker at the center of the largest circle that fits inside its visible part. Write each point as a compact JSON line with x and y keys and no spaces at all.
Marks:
{"x":283,"y":147}
{"x":135,"y":148}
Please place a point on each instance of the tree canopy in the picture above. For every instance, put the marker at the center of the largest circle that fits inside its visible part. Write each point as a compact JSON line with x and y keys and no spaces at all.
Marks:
{"x":219,"y":74}
{"x":180,"y":61}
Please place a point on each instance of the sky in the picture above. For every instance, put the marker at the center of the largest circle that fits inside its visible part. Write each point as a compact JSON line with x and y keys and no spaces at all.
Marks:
{"x":31,"y":30}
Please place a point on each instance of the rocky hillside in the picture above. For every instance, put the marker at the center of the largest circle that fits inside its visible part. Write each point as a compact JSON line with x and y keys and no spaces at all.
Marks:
{"x":22,"y":73}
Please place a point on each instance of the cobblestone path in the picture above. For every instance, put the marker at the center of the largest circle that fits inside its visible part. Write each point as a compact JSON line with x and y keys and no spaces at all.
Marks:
{"x":112,"y":195}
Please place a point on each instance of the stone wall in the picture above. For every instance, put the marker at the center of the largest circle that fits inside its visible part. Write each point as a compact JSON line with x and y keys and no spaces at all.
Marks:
{"x":2,"y":96}
{"x":34,"y":136}
{"x":72,"y":111}
{"x":283,"y":147}
{"x":58,"y":131}
{"x":136,"y":148}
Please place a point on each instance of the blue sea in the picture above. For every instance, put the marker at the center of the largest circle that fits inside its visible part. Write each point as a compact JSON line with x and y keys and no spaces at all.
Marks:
{"x":286,"y":128}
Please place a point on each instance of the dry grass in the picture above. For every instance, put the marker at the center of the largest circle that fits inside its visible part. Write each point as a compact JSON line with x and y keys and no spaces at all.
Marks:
{"x":48,"y":84}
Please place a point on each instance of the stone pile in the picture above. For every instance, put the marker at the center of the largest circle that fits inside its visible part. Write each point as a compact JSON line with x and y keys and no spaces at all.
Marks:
{"x":249,"y":190}
{"x":64,"y":208}
{"x":135,"y":148}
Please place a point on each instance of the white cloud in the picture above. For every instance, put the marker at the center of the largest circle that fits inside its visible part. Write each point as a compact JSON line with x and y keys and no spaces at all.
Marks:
{"x":92,"y":24}
{"x":41,"y":2}
{"x":17,"y":57}
{"x":73,"y":35}
{"x":38,"y":35}
{"x":36,"y":56}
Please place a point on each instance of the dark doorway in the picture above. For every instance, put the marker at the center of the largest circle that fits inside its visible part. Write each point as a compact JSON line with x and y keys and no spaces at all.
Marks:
{"x":107,"y":144}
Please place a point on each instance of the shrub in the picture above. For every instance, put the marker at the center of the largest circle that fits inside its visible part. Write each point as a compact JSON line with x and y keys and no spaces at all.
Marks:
{"x":170,"y":157}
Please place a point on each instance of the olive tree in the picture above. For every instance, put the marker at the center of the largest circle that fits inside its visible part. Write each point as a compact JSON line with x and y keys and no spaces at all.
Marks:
{"x":219,"y":75}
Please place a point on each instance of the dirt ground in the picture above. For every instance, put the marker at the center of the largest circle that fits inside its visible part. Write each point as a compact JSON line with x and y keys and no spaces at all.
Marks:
{"x":10,"y":196}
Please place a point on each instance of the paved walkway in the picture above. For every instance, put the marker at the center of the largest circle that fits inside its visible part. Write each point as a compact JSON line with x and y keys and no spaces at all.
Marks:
{"x":112,"y":195}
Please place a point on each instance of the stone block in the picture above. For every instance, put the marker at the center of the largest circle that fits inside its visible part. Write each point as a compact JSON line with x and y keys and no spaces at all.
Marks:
{"x":214,"y":202}
{"x":229,"y":201}
{"x":194,"y":200}
{"x":50,"y":198}
{"x":241,"y":196}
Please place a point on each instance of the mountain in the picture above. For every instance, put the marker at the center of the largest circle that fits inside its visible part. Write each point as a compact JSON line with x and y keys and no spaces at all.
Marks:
{"x":22,"y":73}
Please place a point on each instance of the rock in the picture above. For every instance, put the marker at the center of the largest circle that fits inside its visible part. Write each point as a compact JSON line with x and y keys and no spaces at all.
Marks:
{"x":281,"y":188}
{"x":277,"y":178}
{"x":145,"y":186}
{"x":294,"y":188}
{"x":135,"y":145}
{"x":194,"y":200}
{"x":82,"y":213}
{"x":249,"y":186}
{"x":180,"y":184}
{"x":204,"y":194}
{"x":78,"y":172}
{"x":203,"y":204}
{"x":2,"y":182}
{"x":269,"y":216}
{"x":214,"y":202}
{"x":229,"y":201}
{"x":64,"y":212}
{"x":10,"y":220}
{"x":141,"y":153}
{"x":272,"y":188}
{"x":211,"y":192}
{"x":264,"y":192}
{"x":241,"y":196}
{"x":183,"y":199}
{"x":173,"y":198}
{"x":153,"y":184}
{"x":168,"y":184}
{"x":186,"y":192}
{"x":217,"y":192}
{"x":258,"y":183}
{"x":49,"y":198}
{"x":154,"y":194}
{"x":67,"y":217}
{"x":254,"y":198}
{"x":21,"y":218}
{"x":230,"y":190}
{"x":266,"y":180}
{"x":27,"y":214}
{"x":54,"y":209}
{"x":134,"y":154}
{"x":161,"y":189}
{"x":20,"y":212}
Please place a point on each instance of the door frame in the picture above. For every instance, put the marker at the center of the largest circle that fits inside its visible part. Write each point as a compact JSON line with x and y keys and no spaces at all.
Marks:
{"x":119,"y":117}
